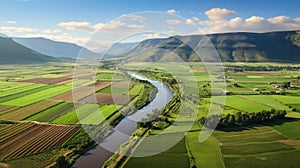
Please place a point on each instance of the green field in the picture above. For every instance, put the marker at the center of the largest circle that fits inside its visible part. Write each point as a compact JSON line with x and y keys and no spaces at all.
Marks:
{"x":38,"y":96}
{"x":242,"y":104}
{"x":24,"y":93}
{"x":174,"y":157}
{"x":258,"y":146}
{"x":27,"y":111}
{"x":203,"y":152}
{"x":69,"y":118}
{"x":96,"y":116}
{"x":52,"y":113}
{"x":291,"y":159}
{"x":134,"y":90}
{"x":288,"y":99}
{"x":10,"y":88}
{"x":255,"y":148}
{"x":267,"y":101}
{"x":88,"y":113}
{"x":289,"y":129}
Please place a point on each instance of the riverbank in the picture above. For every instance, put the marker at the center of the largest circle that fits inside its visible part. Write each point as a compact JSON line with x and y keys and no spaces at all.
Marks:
{"x":127,"y":126}
{"x":164,"y":118}
{"x":81,"y":142}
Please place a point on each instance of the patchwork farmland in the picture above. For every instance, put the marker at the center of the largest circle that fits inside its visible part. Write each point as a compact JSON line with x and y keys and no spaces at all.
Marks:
{"x":37,"y":113}
{"x":274,"y":143}
{"x":38,"y":117}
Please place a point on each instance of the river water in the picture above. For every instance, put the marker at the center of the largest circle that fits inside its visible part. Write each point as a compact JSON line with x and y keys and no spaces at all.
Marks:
{"x":95,"y":157}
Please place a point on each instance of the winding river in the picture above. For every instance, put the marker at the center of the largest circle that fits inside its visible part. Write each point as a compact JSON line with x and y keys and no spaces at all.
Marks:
{"x":95,"y":157}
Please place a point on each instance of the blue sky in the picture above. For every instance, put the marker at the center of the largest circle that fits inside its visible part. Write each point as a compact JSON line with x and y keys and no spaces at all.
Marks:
{"x":27,"y":18}
{"x":46,"y":12}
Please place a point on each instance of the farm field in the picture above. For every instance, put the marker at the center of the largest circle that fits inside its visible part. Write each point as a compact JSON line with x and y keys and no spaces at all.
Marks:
{"x":108,"y":99}
{"x":43,"y":95}
{"x":9,"y":88}
{"x":254,"y":146}
{"x":46,"y":80}
{"x":41,"y":100}
{"x":88,"y":114}
{"x":28,"y":111}
{"x":29,"y":138}
{"x":243,"y":104}
{"x":259,"y":146}
{"x":269,"y":101}
{"x":52,"y":113}
{"x":81,"y":92}
{"x":293,"y":100}
{"x":174,"y":157}
{"x":289,"y":129}
{"x":117,"y":89}
{"x":24,"y":93}
{"x":38,"y":96}
{"x":203,"y":152}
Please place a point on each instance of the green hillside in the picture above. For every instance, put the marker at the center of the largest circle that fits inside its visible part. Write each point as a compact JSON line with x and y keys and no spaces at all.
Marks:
{"x":232,"y":47}
{"x":14,"y":53}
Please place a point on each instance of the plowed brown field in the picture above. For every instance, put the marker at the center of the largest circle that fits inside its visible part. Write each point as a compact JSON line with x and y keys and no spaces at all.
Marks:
{"x":82,"y":92}
{"x":35,"y":138}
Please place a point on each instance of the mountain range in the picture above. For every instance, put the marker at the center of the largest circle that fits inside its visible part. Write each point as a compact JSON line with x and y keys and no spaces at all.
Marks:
{"x":232,"y":47}
{"x":15,"y":53}
{"x":53,"y":48}
{"x":281,"y":46}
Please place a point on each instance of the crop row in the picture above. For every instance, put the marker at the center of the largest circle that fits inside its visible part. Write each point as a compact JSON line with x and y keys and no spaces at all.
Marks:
{"x":19,"y":138}
{"x":52,"y":113}
{"x":27,"y":111}
{"x":72,"y":117}
{"x":13,"y":130}
{"x":96,"y":116}
{"x":82,"y":92}
{"x":24,"y":93}
{"x":88,"y":114}
{"x":37,"y":139}
{"x":48,"y":80}
{"x":19,"y":88}
{"x":5,"y":86}
{"x":38,"y":96}
{"x":5,"y":109}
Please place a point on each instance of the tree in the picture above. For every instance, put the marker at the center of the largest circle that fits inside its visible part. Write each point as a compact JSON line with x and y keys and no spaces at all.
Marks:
{"x":240,"y":118}
{"x":61,"y":162}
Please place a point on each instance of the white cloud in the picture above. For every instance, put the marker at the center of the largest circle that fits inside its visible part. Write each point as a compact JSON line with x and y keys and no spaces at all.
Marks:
{"x":117,"y":27}
{"x":155,"y":35}
{"x":112,"y":27}
{"x":50,"y":31}
{"x":79,"y":26}
{"x":195,"y":18}
{"x":11,"y":30}
{"x":251,"y":24}
{"x":189,"y":22}
{"x":174,"y":22}
{"x":135,"y":18}
{"x":10,"y":22}
{"x":218,"y":22}
{"x":255,"y":19}
{"x":280,"y":19}
{"x":236,"y":22}
{"x":219,"y":13}
{"x":171,"y":11}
